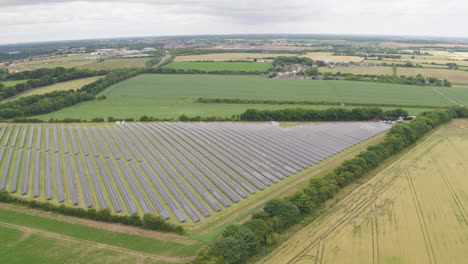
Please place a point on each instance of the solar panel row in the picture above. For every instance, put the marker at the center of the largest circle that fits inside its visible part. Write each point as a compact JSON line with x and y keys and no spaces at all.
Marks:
{"x":170,"y":169}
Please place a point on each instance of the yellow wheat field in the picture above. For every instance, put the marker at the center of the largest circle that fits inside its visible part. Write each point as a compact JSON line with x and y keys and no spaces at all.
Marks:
{"x":414,"y":211}
{"x":330,"y":56}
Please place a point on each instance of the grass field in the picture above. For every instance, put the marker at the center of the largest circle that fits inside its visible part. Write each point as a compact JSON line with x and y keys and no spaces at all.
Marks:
{"x":170,"y":96}
{"x":12,"y":83}
{"x":414,"y":211}
{"x":228,"y":56}
{"x":63,"y":86}
{"x":220,"y":66}
{"x":454,"y":76}
{"x":26,"y":238}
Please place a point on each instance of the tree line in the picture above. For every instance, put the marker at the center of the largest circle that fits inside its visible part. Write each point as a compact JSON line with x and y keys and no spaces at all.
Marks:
{"x":53,"y":101}
{"x":44,"y":77}
{"x":148,"y":221}
{"x":287,"y":60}
{"x":330,"y":114}
{"x":407,"y":80}
{"x":239,"y":243}
{"x":206,"y":100}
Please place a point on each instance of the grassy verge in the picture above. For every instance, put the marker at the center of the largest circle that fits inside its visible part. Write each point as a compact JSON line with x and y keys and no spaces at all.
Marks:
{"x":132,"y":242}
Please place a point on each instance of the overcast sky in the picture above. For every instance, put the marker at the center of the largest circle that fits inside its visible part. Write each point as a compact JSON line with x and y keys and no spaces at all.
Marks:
{"x":36,"y":20}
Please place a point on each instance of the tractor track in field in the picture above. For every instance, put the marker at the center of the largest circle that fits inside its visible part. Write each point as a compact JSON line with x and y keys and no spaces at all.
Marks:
{"x":448,"y":98}
{"x":351,"y":208}
{"x":97,"y":245}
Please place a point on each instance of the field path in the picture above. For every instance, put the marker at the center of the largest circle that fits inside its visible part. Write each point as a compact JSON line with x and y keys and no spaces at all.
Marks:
{"x":448,"y":98}
{"x":96,"y":245}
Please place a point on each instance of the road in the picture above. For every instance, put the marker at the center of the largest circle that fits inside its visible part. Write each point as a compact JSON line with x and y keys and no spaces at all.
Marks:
{"x":163,"y":59}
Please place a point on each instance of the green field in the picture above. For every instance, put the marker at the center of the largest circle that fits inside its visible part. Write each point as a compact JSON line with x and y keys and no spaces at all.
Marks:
{"x":12,"y":83}
{"x":26,"y":238}
{"x":169,"y":96}
{"x":220,"y":66}
{"x":458,"y":78}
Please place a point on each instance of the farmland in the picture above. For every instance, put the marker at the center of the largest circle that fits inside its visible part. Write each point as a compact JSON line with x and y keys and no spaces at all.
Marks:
{"x":330,"y":56}
{"x":220,"y":66}
{"x":82,"y":61}
{"x":114,"y":63}
{"x":182,"y":172}
{"x":413,"y":211}
{"x":228,"y":56}
{"x":456,"y":77}
{"x":170,"y":96}
{"x":63,"y":86}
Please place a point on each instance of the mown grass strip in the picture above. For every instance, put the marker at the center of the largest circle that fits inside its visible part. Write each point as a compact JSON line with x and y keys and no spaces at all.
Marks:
{"x":133,"y":242}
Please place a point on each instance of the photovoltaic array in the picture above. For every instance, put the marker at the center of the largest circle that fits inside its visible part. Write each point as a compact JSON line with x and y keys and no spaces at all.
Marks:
{"x":185,"y":171}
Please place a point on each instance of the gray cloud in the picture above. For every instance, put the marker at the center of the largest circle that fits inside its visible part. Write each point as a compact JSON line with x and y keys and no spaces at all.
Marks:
{"x":34,"y":20}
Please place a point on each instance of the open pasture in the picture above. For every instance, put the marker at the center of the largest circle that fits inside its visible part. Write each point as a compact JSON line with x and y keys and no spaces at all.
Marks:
{"x":220,"y":66}
{"x":170,"y":96}
{"x":414,"y":211}
{"x":180,"y":171}
{"x":228,"y":56}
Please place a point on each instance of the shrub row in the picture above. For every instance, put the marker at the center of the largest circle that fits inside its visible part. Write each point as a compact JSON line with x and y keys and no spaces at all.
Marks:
{"x":238,"y":243}
{"x":330,"y":114}
{"x":44,"y":77}
{"x":147,"y":221}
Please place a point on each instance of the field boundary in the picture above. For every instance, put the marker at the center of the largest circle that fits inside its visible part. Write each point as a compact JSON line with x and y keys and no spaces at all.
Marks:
{"x":96,"y":244}
{"x":113,"y":227}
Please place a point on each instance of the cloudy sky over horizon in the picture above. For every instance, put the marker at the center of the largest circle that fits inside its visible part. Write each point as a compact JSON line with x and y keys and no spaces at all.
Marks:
{"x":44,"y":20}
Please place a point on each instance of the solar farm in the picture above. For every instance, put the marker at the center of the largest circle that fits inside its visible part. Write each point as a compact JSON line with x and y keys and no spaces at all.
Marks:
{"x":179,"y":171}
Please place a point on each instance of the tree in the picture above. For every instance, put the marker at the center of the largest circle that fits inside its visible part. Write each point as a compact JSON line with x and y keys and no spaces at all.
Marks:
{"x":287,"y":211}
{"x":260,"y":228}
{"x":304,"y":202}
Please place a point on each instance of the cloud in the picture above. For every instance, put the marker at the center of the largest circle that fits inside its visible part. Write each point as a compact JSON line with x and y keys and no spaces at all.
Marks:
{"x":35,"y":20}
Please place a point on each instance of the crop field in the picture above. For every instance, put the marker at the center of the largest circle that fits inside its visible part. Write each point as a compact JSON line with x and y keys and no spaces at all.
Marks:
{"x":114,"y":63}
{"x":330,"y":56}
{"x":63,"y":86}
{"x":179,"y":171}
{"x":391,"y":44}
{"x":83,"y":61}
{"x":459,"y":77}
{"x":170,"y":96}
{"x":220,"y":66}
{"x":228,"y":56}
{"x":413,"y":211}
